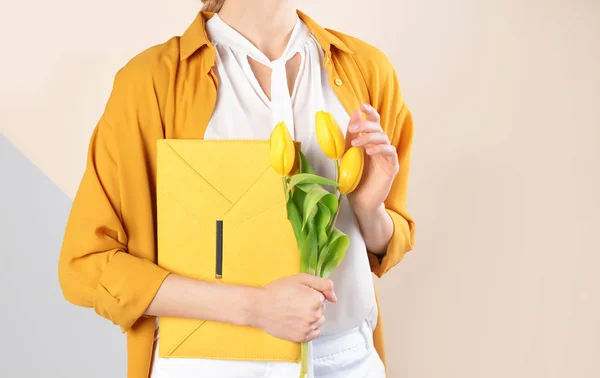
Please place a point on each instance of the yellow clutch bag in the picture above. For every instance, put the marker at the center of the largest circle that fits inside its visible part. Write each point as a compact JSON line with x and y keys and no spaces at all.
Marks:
{"x":222,"y":218}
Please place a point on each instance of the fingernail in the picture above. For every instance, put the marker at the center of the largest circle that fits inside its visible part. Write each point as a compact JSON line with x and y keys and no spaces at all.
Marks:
{"x":369,"y":150}
{"x":353,"y":127}
{"x":354,"y":142}
{"x":334,"y":296}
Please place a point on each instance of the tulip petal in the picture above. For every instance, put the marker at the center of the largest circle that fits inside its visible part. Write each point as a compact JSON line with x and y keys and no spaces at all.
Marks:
{"x":329,"y":135}
{"x":351,"y":169}
{"x":283,"y":150}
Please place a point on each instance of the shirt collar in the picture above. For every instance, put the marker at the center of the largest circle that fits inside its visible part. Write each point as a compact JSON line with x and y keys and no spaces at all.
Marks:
{"x":195,"y":37}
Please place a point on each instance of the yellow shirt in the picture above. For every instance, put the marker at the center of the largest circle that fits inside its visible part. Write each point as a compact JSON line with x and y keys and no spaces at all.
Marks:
{"x":108,"y":253}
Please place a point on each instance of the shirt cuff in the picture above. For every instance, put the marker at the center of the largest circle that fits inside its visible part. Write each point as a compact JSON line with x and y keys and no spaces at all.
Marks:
{"x":400,"y":243}
{"x":126,"y":289}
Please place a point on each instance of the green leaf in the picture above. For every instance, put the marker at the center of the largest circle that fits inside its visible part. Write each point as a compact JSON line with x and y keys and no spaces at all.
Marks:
{"x":322,"y":221}
{"x":295,"y":219}
{"x":310,"y":217}
{"x":306,"y":187}
{"x":331,"y":202}
{"x":312,"y":199}
{"x":309,"y":178}
{"x":299,"y":196}
{"x":333,"y":254}
{"x":308,"y":252}
{"x":305,"y":166}
{"x":314,"y":254}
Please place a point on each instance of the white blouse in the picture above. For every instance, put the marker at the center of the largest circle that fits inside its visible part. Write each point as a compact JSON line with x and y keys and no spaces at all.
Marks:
{"x":243,"y":111}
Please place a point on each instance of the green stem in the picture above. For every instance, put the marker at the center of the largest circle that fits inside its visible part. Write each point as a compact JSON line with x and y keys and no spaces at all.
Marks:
{"x":339,"y":197}
{"x":303,"y":366}
{"x":335,"y":216}
{"x":285,"y":187}
{"x":337,"y":171}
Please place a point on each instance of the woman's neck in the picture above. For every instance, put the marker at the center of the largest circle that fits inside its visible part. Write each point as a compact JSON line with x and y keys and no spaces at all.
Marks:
{"x":268,"y":24}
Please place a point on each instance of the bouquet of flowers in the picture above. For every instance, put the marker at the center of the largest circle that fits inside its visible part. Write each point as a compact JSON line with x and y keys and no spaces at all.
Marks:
{"x":311,"y":209}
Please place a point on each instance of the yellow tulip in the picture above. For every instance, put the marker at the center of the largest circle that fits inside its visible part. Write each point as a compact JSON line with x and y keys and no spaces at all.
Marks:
{"x":351,"y":169}
{"x":329,"y":135}
{"x":283,"y":150}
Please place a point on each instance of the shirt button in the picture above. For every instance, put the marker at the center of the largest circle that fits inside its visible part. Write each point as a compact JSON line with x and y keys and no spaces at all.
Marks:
{"x":338,"y":82}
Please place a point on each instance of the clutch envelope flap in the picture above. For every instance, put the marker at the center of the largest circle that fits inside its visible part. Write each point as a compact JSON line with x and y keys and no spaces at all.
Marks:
{"x":200,"y":182}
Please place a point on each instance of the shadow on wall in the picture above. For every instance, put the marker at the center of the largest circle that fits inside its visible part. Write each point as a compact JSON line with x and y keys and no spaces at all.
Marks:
{"x":44,"y":335}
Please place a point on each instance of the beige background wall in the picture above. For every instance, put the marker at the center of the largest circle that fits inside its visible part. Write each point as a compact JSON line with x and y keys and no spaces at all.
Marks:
{"x":505,"y":181}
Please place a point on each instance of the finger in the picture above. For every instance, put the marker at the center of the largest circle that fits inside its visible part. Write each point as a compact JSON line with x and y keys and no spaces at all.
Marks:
{"x":312,"y":335}
{"x":386,"y":150}
{"x":323,"y":285}
{"x":355,"y":119}
{"x":371,"y":138}
{"x":371,"y":113}
{"x":365,"y":127}
{"x":319,"y":300}
{"x":318,"y":324}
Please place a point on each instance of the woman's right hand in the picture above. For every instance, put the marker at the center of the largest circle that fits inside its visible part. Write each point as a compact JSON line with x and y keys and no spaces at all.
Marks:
{"x":291,"y":308}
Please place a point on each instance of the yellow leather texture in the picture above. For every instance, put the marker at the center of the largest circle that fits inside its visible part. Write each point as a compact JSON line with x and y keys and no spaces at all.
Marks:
{"x":198,"y":183}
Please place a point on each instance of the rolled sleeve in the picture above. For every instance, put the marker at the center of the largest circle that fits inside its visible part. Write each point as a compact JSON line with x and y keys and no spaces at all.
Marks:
{"x":126,"y":289}
{"x":400,"y":243}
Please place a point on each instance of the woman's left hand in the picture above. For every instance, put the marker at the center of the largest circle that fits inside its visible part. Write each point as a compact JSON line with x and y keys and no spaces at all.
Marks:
{"x":381,"y":160}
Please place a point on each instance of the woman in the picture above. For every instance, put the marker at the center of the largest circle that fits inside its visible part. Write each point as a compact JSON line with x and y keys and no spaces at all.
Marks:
{"x":231,"y":75}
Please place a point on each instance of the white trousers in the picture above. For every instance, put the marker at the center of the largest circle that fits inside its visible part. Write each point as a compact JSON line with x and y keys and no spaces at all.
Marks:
{"x":349,"y":354}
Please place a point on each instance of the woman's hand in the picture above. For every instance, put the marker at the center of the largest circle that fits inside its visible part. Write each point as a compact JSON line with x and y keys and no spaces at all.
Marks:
{"x":381,"y":161}
{"x":291,"y":308}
